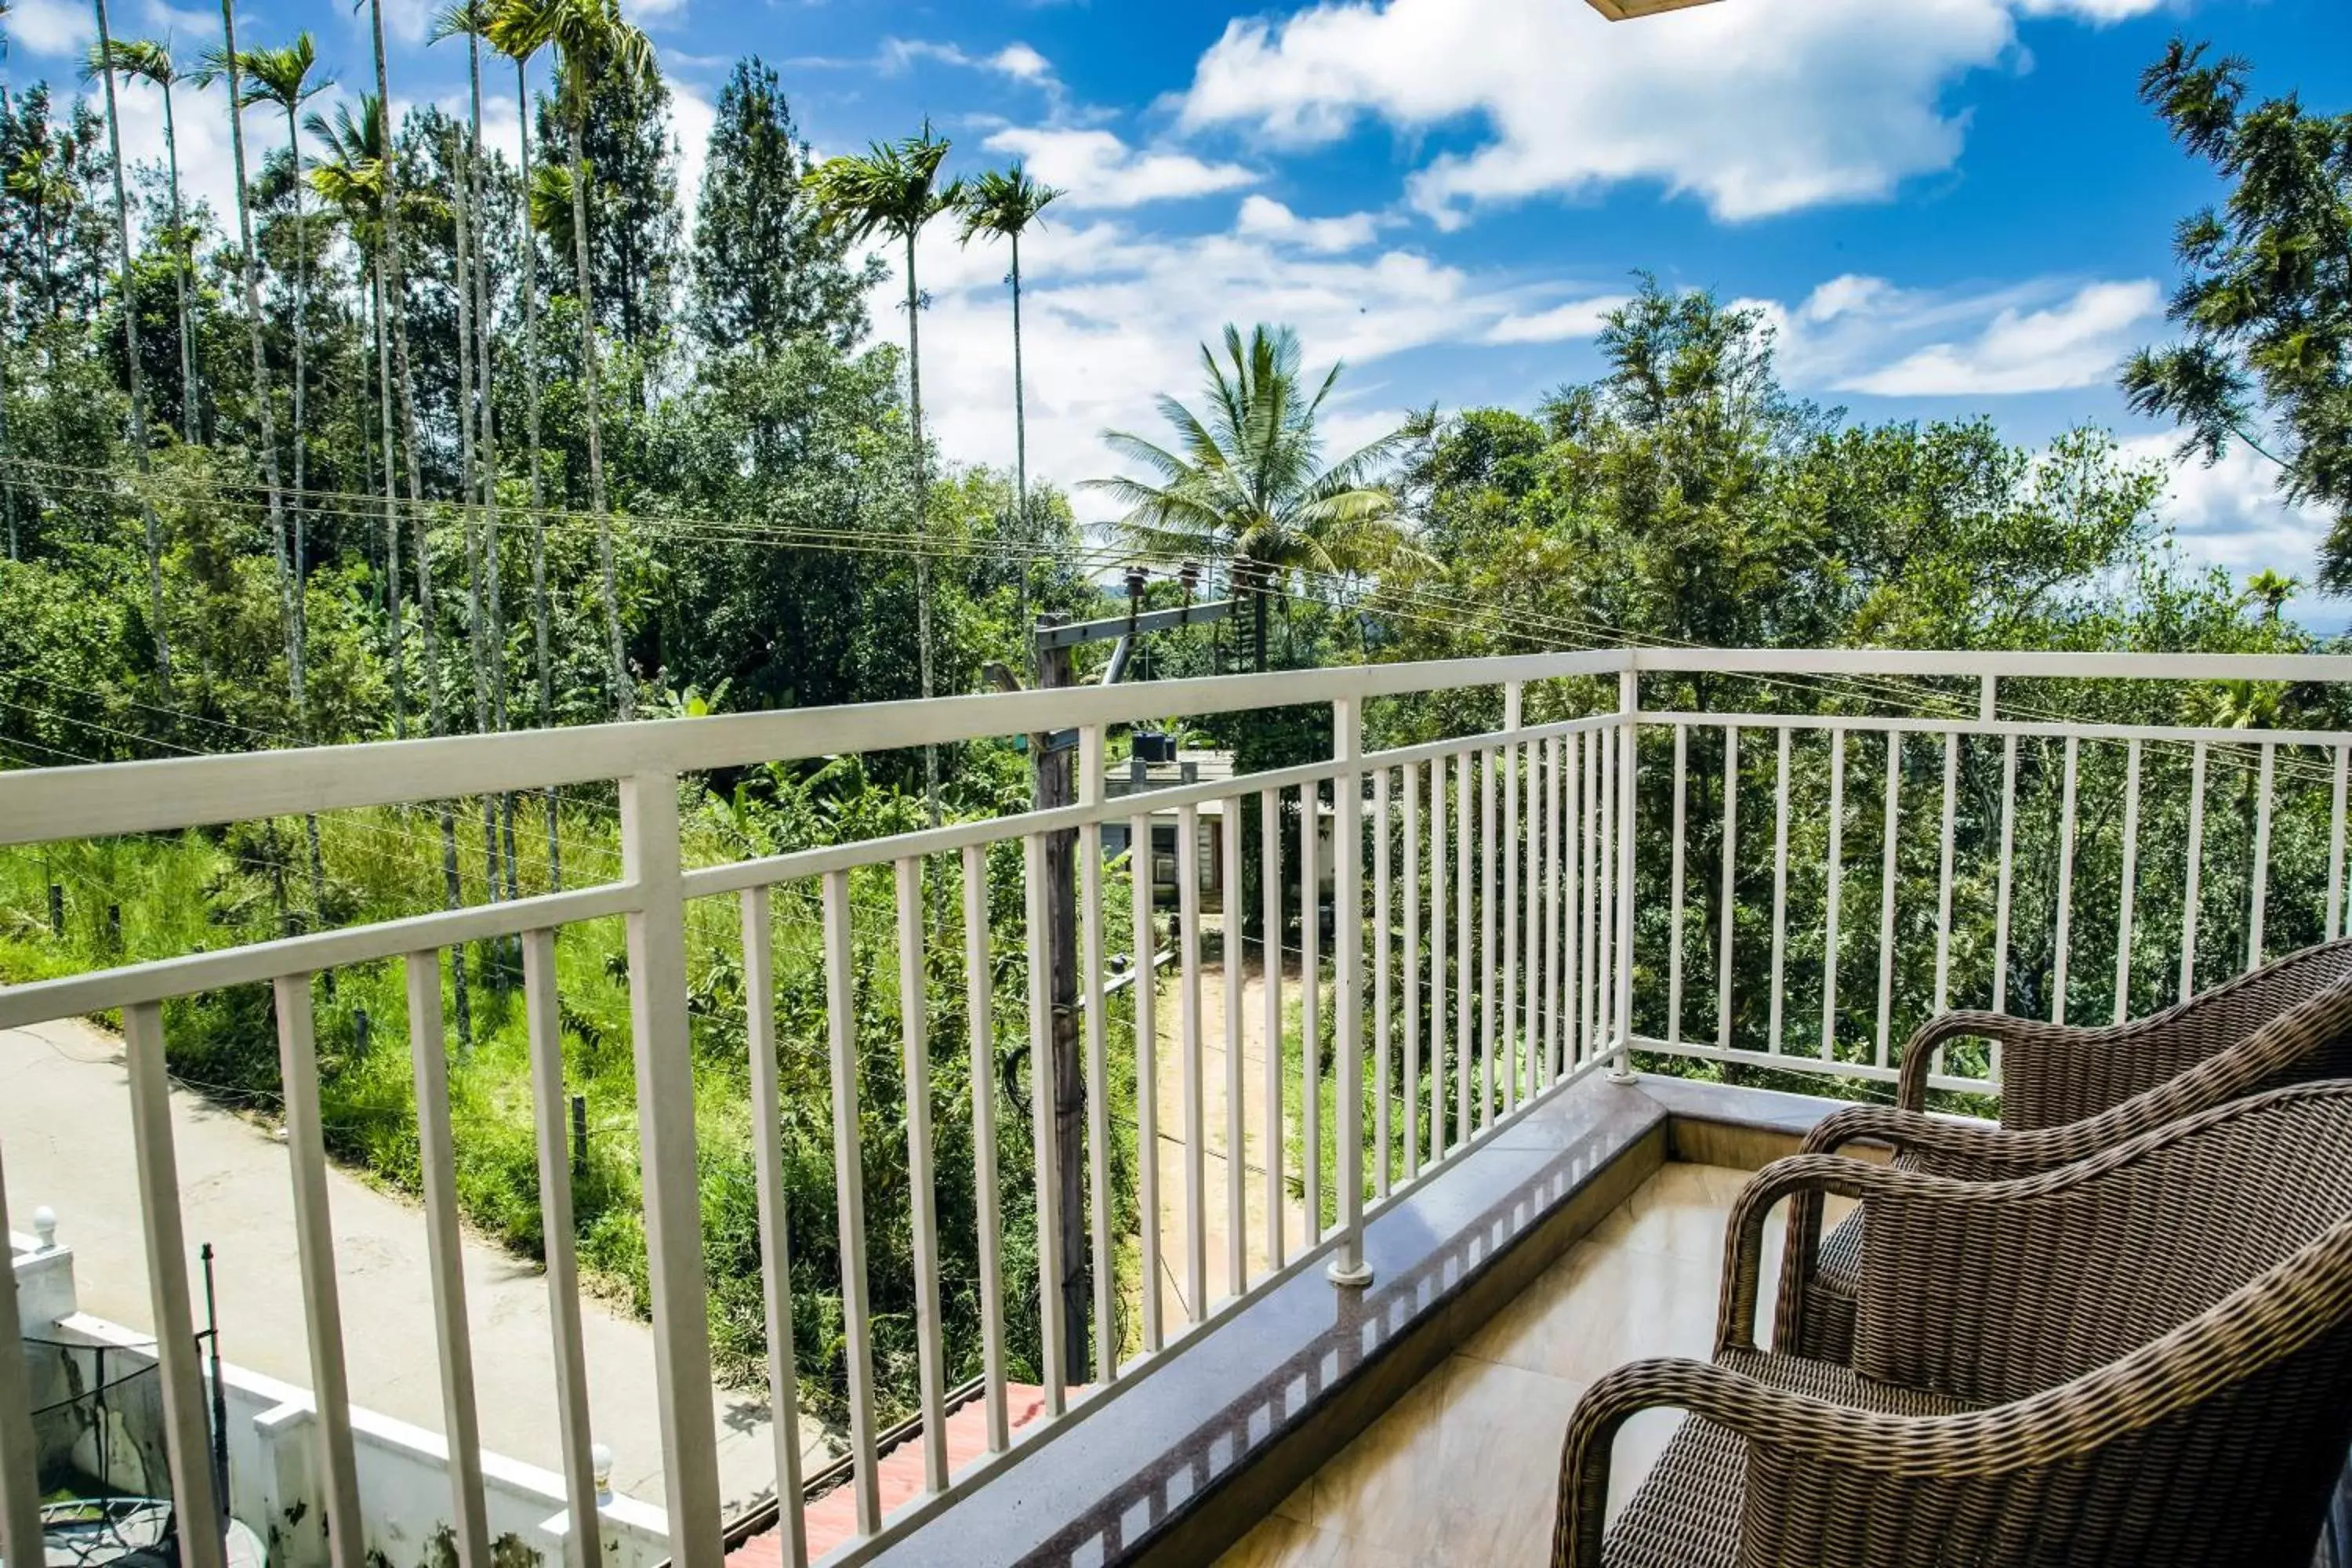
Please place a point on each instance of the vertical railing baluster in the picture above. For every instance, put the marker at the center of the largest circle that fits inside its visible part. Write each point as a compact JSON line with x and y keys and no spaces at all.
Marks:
{"x":20,"y":1487}
{"x":1440,"y":922}
{"x":2127,"y":895}
{"x":1588,"y":794}
{"x":186,"y":1425}
{"x":1094,"y":961}
{"x":1348,"y":1265}
{"x":1833,"y":897}
{"x":1609,"y":958}
{"x":543,"y":1023}
{"x":1382,"y":891}
{"x":1140,"y":874}
{"x":775,"y":1239}
{"x":923,"y":1221}
{"x":1780,"y":889}
{"x":1944,"y":871}
{"x":2005,"y":879}
{"x":436,"y":1163}
{"x":1488,"y":761}
{"x":1229,"y":860}
{"x":849,"y":1185}
{"x":1512,"y":839}
{"x":2193,"y":872}
{"x":2065,"y":879}
{"x":1310,"y":1007}
{"x":1674,"y":894}
{"x":314,"y":1237}
{"x":1409,"y":784}
{"x":1196,"y":1126}
{"x":670,"y":1172}
{"x":1465,"y":1026}
{"x":2336,"y":842}
{"x":1555,"y":958}
{"x":1629,"y":764}
{"x":1730,"y":884}
{"x":1269,"y":874}
{"x":2258,"y":875}
{"x":1887,"y":897}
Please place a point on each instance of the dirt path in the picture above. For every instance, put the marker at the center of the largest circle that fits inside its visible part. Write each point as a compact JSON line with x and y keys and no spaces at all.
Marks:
{"x":1216,"y":1164}
{"x":65,"y":1122}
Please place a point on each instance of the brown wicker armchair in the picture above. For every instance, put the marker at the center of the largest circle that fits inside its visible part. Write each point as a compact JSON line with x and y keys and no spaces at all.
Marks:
{"x":2067,"y":1093}
{"x":2143,"y":1358}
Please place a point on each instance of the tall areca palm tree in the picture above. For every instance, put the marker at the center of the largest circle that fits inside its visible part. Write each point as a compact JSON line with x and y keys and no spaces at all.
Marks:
{"x":281,"y":78}
{"x":519,"y":51}
{"x":150,"y":60}
{"x":395,"y":311}
{"x":38,"y":180}
{"x":1002,"y":204}
{"x":349,"y":176}
{"x":1247,"y":481}
{"x":894,"y":190}
{"x":104,"y":54}
{"x":595,"y":46}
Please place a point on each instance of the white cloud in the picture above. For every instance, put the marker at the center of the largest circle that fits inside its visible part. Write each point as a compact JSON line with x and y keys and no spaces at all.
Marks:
{"x":1015,"y":59}
{"x":1864,"y":334}
{"x":1267,"y":218}
{"x":1099,"y":171}
{"x":55,"y":28}
{"x":692,"y":118}
{"x":1757,"y":107}
{"x":1114,"y":315}
{"x":2230,"y":515}
{"x":1576,"y":319}
{"x":2076,"y":343}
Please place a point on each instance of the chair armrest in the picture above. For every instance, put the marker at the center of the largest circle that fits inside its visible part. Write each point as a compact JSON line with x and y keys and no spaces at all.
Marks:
{"x":1920,"y":1051}
{"x":2258,"y":1326}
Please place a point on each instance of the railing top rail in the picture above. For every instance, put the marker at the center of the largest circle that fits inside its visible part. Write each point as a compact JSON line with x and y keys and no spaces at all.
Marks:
{"x":37,"y":804}
{"x":2004,"y":664}
{"x":40,"y":804}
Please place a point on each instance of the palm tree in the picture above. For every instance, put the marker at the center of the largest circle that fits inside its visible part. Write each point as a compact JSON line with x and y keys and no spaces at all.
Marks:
{"x":104,"y":53}
{"x":349,"y":176}
{"x":229,"y":62}
{"x":895,"y":189}
{"x":1002,"y":204}
{"x":595,"y":46}
{"x":1247,"y":481}
{"x":38,"y":180}
{"x":281,"y":78}
{"x":520,"y":52}
{"x":2272,"y":590}
{"x":395,"y":311}
{"x":150,"y":60}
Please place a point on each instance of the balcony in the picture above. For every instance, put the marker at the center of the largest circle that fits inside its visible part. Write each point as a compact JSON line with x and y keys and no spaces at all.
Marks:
{"x":1588,"y":933}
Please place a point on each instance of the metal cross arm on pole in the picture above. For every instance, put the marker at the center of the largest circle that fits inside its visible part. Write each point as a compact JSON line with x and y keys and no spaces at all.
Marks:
{"x":1114,"y":627}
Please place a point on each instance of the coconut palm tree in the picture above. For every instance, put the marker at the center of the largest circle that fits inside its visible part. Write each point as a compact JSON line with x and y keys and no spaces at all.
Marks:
{"x":348,"y":175}
{"x":520,"y":50}
{"x":2272,"y":590}
{"x":1247,"y":481}
{"x":894,"y":190}
{"x":104,"y":54}
{"x":595,"y":46}
{"x":150,"y":60}
{"x":1002,"y":204}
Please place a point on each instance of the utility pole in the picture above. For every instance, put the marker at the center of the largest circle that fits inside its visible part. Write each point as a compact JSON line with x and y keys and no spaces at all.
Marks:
{"x":1052,"y":781}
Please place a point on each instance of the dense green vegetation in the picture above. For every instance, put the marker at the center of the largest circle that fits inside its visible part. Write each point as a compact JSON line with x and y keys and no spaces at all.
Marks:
{"x":420,"y":441}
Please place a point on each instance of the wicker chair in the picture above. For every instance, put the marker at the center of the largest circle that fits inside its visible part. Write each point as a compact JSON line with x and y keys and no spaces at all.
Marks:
{"x":2066,"y":1093}
{"x":2141,"y":1358}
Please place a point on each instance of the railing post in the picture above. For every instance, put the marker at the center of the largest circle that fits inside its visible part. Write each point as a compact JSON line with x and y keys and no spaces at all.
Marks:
{"x":650,"y":859}
{"x":20,"y":1496}
{"x":1628,"y":707}
{"x":1348,"y":1265}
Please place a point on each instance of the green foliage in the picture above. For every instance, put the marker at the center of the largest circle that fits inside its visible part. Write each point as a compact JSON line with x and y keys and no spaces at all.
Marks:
{"x":2265,"y":298}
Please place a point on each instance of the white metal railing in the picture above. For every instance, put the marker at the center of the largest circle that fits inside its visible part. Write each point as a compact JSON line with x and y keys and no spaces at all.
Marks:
{"x":1530,"y":921}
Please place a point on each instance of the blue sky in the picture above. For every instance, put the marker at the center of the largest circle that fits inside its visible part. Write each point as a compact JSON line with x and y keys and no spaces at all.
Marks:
{"x":1949,"y":207}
